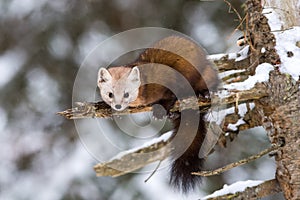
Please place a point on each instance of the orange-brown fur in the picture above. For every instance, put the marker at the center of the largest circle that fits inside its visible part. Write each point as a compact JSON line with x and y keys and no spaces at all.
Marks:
{"x":157,"y":65}
{"x":180,"y":54}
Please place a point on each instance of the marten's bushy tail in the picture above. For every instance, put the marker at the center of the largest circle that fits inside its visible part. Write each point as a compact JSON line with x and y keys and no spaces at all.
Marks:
{"x":181,"y":177}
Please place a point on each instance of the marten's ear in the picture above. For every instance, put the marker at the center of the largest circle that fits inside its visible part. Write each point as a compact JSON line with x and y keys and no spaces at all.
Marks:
{"x":134,"y":74}
{"x":103,"y":75}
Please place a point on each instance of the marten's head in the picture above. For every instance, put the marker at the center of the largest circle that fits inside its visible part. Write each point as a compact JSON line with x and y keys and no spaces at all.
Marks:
{"x":119,"y":86}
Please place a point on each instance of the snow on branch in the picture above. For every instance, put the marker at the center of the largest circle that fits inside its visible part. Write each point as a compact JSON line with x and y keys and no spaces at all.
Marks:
{"x":246,"y":190}
{"x":131,"y":160}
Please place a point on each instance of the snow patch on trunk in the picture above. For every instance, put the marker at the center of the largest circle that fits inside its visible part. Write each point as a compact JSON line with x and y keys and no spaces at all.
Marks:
{"x":287,"y":44}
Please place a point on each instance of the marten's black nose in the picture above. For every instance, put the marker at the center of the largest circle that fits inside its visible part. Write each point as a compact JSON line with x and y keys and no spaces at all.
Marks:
{"x":118,"y":106}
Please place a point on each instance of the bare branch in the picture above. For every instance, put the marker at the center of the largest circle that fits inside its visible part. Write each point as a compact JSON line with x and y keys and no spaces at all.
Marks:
{"x":235,"y":11}
{"x":236,"y":164}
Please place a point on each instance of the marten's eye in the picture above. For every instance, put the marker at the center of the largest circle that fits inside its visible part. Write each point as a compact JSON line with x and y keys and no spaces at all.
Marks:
{"x":110,"y":95}
{"x":126,"y":95}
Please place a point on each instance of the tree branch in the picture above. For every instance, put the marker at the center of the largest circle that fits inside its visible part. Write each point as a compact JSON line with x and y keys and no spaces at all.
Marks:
{"x":236,"y":164}
{"x":265,"y":189}
{"x":230,"y":61}
{"x":132,"y":160}
{"x":102,"y":110}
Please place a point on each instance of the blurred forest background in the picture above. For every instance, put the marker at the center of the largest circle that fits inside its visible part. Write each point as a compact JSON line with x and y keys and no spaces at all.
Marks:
{"x":42,"y":45}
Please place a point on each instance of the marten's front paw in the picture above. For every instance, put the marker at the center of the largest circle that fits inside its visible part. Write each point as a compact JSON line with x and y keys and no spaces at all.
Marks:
{"x":159,"y":112}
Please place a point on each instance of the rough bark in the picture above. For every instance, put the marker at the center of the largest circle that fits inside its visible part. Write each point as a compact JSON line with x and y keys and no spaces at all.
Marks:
{"x":280,"y":110}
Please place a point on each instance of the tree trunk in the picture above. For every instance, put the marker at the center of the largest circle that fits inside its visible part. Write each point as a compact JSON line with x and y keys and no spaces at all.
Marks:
{"x":281,"y":109}
{"x":283,"y":127}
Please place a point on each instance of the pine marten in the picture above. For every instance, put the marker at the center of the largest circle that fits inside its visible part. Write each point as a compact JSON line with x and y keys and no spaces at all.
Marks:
{"x":161,"y":75}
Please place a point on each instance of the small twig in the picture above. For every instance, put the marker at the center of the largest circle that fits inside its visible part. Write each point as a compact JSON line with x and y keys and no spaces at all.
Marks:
{"x":236,"y":77}
{"x":236,"y":109}
{"x":247,"y":34}
{"x":235,"y":11}
{"x":241,"y":20}
{"x":155,"y":170}
{"x":237,"y":28}
{"x":235,"y":164}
